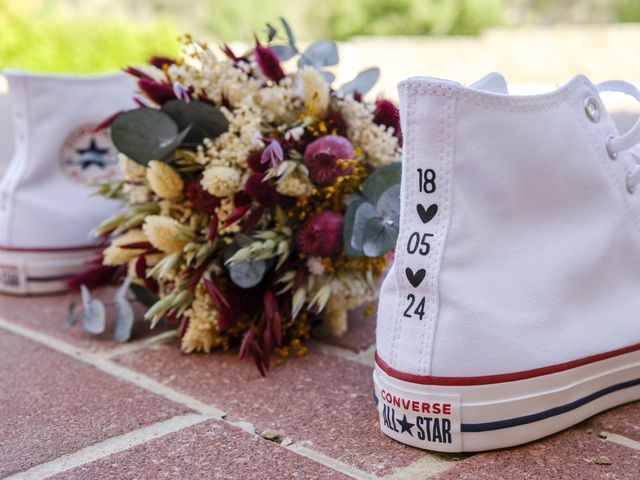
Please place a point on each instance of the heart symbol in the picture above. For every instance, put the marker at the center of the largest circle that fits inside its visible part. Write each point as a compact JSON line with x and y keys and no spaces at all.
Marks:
{"x":415,"y":278}
{"x":427,"y":215}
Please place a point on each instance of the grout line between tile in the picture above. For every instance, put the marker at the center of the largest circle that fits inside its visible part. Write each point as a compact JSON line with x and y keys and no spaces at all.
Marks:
{"x":364,"y":357}
{"x":203,"y":410}
{"x":108,"y":447}
{"x":330,"y":462}
{"x":106,"y":365}
{"x":622,"y":440}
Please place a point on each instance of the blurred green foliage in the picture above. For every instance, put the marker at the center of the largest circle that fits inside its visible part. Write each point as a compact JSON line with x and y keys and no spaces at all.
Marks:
{"x":344,"y":19}
{"x":81,"y":45}
{"x":96,"y":35}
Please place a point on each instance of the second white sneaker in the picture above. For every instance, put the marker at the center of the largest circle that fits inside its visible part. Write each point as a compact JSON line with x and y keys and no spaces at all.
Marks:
{"x":512,"y":309}
{"x":47,"y":210}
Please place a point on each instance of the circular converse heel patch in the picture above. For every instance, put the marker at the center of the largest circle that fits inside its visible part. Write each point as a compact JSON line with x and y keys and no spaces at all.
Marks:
{"x":89,"y":157}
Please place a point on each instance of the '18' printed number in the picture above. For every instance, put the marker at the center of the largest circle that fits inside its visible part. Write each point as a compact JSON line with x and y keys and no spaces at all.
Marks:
{"x":427,"y":180}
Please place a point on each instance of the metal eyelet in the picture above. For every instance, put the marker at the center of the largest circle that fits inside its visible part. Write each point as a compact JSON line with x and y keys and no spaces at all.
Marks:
{"x":592,"y":109}
{"x":630,"y":188}
{"x":612,"y":155}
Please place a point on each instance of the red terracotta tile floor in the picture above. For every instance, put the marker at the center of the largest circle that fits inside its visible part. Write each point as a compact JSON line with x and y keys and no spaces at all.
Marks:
{"x":74,"y":407}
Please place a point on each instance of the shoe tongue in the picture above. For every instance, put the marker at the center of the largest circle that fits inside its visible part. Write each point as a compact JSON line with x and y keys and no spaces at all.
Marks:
{"x":494,"y":82}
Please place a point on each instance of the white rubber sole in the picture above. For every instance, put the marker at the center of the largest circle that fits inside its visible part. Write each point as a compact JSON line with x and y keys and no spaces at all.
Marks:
{"x":485,"y":417}
{"x":27,"y":272}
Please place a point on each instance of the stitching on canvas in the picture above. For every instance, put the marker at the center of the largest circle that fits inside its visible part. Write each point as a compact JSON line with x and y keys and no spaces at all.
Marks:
{"x":407,"y":91}
{"x":443,"y":229}
{"x":506,"y":103}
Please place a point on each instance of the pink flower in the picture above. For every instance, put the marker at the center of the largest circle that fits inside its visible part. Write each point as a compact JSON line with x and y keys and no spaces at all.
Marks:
{"x":268,"y":63}
{"x":273,"y":154}
{"x":262,"y":192}
{"x":321,"y":158}
{"x":387,"y":114}
{"x":321,"y":235}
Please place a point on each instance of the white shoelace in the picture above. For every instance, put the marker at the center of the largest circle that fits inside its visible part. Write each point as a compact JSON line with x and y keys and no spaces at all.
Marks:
{"x":629,"y":141}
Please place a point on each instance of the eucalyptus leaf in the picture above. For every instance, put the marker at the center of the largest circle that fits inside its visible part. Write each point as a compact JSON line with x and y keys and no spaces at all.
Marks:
{"x":283,"y":52}
{"x":124,"y":320}
{"x":363,"y":214}
{"x":363,"y":82}
{"x":320,"y":54}
{"x":328,"y":76}
{"x":379,"y":237}
{"x":146,"y":134}
{"x":290,"y":37}
{"x":122,"y":290}
{"x":248,"y":273}
{"x":205,"y":120}
{"x":85,"y":296}
{"x":94,"y":318}
{"x":271,"y":32}
{"x":380,"y":180}
{"x":347,"y":229}
{"x":143,"y":295}
{"x":388,"y":205}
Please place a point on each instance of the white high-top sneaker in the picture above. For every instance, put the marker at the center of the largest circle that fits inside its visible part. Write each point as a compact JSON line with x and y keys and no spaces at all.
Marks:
{"x":512,"y":309}
{"x":47,"y":209}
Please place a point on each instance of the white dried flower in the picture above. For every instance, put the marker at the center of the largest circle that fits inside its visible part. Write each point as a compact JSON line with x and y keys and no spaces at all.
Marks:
{"x":221,"y":181}
{"x":131,"y":171}
{"x":315,"y":265}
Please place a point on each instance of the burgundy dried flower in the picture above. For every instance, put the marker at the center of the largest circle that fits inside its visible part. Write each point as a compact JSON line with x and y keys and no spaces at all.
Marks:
{"x":254,"y":160}
{"x":96,"y":276}
{"x":226,"y":49}
{"x":136,"y":72}
{"x":336,"y":123}
{"x":201,"y":200}
{"x":261,"y":191}
{"x":268,"y":63}
{"x":387,"y":114}
{"x":273,"y":154}
{"x":321,"y":158}
{"x":160,"y":93}
{"x":321,"y":235}
{"x":159,"y":61}
{"x":106,"y":123}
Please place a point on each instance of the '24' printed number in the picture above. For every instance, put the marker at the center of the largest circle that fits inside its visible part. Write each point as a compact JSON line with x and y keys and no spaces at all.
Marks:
{"x":419,"y":310}
{"x":427,"y":180}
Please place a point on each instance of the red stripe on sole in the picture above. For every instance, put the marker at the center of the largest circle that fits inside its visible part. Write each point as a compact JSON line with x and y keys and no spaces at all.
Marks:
{"x":502,"y":377}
